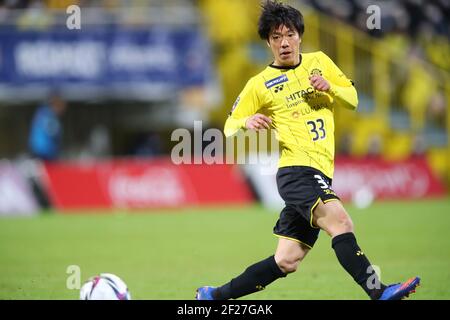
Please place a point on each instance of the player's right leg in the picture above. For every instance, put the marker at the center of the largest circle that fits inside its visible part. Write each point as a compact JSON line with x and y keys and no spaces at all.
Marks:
{"x":288,"y":255}
{"x":297,"y":237}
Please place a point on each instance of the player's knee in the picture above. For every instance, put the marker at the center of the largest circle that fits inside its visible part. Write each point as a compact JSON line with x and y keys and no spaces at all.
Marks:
{"x":344,"y":224}
{"x":288,"y":265}
{"x":339,"y":222}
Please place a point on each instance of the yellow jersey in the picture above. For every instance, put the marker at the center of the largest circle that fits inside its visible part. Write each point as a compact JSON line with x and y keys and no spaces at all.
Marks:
{"x":302,"y":116}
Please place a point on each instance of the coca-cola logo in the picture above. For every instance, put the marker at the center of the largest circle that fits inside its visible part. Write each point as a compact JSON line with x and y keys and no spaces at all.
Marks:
{"x":152,"y":187}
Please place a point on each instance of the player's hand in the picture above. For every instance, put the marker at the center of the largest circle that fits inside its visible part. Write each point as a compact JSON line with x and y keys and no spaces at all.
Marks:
{"x":258,"y":122}
{"x":319,"y":83}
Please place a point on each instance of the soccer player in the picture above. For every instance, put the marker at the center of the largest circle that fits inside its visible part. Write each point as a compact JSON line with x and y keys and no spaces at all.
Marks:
{"x":46,"y":129}
{"x":296,"y":95}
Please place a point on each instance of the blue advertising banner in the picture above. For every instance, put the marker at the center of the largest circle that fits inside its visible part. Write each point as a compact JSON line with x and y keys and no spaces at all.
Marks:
{"x":151,"y":60}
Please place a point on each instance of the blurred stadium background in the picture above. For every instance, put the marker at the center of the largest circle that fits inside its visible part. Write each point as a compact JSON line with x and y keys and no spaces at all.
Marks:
{"x":137,"y":70}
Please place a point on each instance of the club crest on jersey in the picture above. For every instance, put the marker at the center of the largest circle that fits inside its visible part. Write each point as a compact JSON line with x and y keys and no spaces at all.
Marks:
{"x":269,"y":84}
{"x":316,"y":72}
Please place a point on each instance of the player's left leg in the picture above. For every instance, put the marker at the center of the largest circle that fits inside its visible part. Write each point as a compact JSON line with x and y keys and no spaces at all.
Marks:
{"x":334,"y":219}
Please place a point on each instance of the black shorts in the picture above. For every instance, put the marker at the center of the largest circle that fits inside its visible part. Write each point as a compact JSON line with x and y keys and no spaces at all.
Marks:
{"x":301,"y":189}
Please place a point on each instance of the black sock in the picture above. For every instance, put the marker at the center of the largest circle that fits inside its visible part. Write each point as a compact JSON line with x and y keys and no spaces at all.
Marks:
{"x":356,"y":264}
{"x":254,"y":278}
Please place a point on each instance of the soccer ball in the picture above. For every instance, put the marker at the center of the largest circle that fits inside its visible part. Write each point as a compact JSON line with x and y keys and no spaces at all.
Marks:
{"x":105,"y":286}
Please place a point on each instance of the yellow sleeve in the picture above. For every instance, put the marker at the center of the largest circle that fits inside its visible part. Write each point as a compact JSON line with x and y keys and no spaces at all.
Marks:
{"x":246,"y":105}
{"x":342,"y":89}
{"x":344,"y":96}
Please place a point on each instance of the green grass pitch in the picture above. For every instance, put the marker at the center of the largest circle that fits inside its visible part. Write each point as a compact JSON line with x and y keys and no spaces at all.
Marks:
{"x":167,"y":254}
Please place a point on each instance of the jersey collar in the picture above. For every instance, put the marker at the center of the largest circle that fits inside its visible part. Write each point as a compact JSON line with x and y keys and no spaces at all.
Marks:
{"x":287,"y":67}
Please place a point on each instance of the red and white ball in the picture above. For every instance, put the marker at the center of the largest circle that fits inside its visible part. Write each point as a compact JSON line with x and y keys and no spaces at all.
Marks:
{"x":105,"y":286}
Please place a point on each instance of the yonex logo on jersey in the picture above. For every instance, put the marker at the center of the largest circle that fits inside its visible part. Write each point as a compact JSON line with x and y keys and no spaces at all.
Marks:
{"x":279,"y":88}
{"x":269,"y":84}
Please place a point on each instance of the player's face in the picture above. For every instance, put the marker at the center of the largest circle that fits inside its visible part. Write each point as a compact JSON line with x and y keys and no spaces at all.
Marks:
{"x":59,"y":105}
{"x":285,"y":45}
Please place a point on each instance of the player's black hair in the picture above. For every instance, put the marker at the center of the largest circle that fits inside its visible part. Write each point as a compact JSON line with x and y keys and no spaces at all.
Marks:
{"x":275,"y":14}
